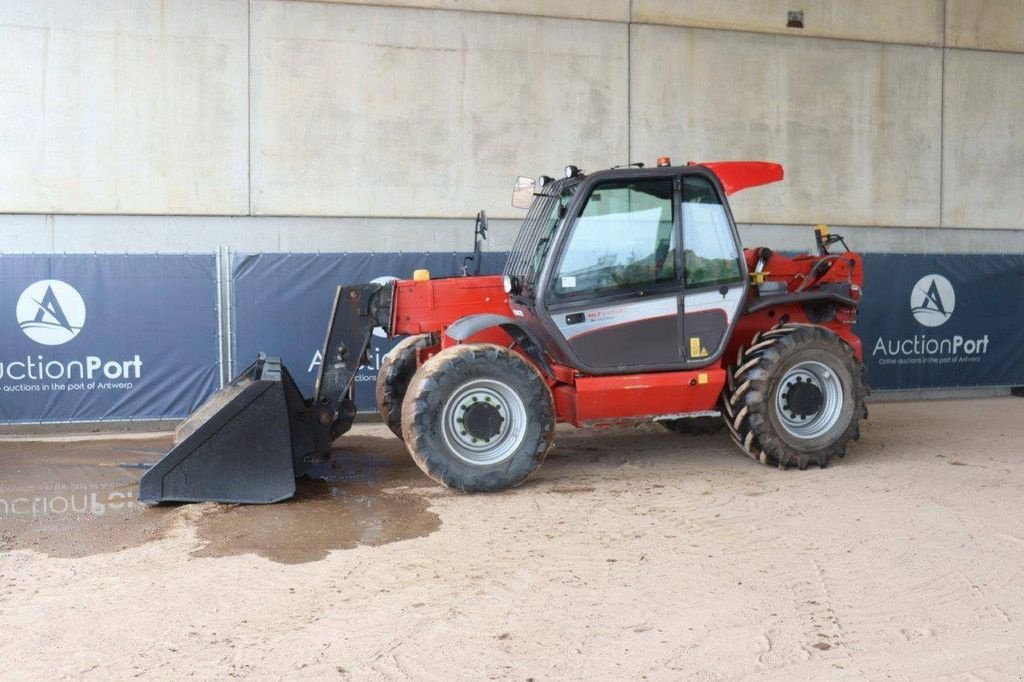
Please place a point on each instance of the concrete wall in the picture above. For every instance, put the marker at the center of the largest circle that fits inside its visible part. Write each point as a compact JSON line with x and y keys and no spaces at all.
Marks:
{"x":855,"y":124}
{"x":983,"y":140}
{"x":387,"y":124}
{"x":915,"y":22}
{"x":378,"y":111}
{"x":123,"y":107}
{"x":985,"y":24}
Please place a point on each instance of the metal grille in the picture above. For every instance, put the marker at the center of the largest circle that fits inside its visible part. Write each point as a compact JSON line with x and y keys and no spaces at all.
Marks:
{"x":522,"y":261}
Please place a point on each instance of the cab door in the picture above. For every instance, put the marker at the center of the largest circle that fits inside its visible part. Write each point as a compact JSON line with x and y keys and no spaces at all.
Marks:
{"x":615,"y":291}
{"x":714,"y":276}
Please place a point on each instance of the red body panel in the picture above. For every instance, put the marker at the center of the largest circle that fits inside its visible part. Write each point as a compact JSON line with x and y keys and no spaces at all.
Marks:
{"x":591,"y":401}
{"x":433,"y":305}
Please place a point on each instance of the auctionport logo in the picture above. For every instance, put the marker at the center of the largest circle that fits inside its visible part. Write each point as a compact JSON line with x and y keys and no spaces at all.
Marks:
{"x":50,"y":312}
{"x":932,"y":300}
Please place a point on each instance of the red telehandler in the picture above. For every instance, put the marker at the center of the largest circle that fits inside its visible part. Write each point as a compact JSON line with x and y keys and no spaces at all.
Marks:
{"x":627,"y":297}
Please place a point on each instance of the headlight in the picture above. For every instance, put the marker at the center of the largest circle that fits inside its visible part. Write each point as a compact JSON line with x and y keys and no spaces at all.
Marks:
{"x":506,"y":284}
{"x":571,"y":171}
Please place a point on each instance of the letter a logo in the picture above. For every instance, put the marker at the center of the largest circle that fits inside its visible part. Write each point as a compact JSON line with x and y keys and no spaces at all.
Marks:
{"x":932,"y":300}
{"x":51,"y":312}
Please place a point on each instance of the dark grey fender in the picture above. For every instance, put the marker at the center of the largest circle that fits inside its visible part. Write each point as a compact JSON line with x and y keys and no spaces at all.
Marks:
{"x":465,"y":327}
{"x":802,"y":297}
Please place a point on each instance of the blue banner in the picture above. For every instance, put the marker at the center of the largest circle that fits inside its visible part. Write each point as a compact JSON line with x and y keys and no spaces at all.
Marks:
{"x":942,"y":321}
{"x":119,"y":337}
{"x":282,"y":304}
{"x":106,"y":337}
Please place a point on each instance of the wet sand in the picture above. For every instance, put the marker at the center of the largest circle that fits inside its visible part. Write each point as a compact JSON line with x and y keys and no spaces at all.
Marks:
{"x":76,"y":499}
{"x":73,"y":499}
{"x":629,"y":554}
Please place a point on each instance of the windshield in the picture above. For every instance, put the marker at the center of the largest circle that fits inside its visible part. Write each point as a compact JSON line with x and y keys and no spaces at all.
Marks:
{"x":538,"y":231}
{"x":623,"y":239}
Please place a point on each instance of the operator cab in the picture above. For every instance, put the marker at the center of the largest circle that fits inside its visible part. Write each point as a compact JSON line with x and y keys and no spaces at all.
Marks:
{"x":628,"y":269}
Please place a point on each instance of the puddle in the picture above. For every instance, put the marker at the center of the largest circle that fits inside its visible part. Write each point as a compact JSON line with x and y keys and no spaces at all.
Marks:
{"x":321,"y":517}
{"x":341,"y":509}
{"x":79,"y":499}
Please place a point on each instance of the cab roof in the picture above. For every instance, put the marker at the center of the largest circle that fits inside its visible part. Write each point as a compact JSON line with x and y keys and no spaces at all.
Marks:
{"x":737,"y":175}
{"x":733,"y":175}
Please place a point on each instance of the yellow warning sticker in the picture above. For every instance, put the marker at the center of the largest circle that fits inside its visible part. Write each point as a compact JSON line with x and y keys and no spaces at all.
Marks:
{"x":696,"y":349}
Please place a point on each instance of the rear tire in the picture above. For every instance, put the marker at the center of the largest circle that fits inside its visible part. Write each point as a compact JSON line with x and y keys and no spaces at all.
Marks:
{"x":694,"y":426}
{"x":393,"y":379}
{"x":795,"y":397}
{"x":478,"y":417}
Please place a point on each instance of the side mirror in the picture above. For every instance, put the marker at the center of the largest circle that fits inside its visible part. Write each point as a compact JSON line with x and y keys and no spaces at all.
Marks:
{"x":522,"y":193}
{"x":481,"y":225}
{"x":479,"y":232}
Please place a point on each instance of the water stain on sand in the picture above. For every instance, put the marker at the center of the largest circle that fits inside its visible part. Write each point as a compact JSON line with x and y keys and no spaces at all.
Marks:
{"x":78,"y":499}
{"x":320,"y":518}
{"x":71,"y":499}
{"x":344,"y":507}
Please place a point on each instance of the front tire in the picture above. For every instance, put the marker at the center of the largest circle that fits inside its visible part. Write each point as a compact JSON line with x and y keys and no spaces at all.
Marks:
{"x":795,"y":397}
{"x":478,"y":417}
{"x":396,"y":371}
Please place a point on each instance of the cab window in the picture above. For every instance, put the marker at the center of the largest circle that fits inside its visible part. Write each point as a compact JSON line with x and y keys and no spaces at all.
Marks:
{"x":623,"y":240}
{"x":547,"y":233}
{"x":710,"y":254}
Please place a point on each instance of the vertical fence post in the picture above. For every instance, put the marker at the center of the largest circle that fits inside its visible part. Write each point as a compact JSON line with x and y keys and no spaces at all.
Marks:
{"x":219,"y":263}
{"x":229,"y":312}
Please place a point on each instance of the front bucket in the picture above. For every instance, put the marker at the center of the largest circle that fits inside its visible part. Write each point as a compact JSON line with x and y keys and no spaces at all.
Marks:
{"x":237,"y":447}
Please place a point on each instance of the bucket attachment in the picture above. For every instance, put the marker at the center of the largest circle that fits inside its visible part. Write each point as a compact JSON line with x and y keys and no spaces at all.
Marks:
{"x":252,"y":438}
{"x":237,"y":447}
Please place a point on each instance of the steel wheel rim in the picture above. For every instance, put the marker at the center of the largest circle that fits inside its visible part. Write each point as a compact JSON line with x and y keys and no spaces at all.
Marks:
{"x":820,"y":377}
{"x":474,"y":448}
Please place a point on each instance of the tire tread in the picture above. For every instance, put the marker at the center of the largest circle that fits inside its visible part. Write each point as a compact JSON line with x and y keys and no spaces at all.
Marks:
{"x":393,"y":377}
{"x":427,"y":391}
{"x":746,"y":397}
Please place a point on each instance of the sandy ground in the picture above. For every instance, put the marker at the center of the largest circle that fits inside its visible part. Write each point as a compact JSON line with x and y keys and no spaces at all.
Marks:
{"x":628,"y":555}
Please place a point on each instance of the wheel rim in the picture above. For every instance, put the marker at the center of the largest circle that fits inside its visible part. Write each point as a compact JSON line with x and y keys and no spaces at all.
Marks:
{"x":484,"y":421}
{"x":809,"y":400}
